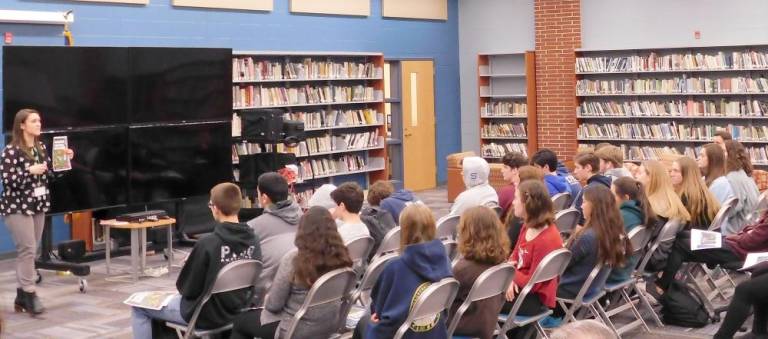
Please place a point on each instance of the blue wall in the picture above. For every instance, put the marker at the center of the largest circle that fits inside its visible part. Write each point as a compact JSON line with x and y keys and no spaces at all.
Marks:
{"x":162,"y":25}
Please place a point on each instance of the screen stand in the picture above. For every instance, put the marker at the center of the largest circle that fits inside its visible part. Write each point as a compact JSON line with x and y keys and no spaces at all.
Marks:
{"x":46,"y":262}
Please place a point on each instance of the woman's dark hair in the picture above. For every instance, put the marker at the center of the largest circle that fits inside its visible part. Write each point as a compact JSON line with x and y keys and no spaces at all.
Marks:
{"x":17,"y":136}
{"x":537,"y":204}
{"x":320,"y":248}
{"x":635,"y":191}
{"x":737,"y":157}
{"x":715,"y":163}
{"x":613,"y":246}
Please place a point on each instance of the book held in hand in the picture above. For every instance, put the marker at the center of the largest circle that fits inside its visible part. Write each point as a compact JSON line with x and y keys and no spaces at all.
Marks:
{"x":60,"y":158}
{"x":153,"y":300}
{"x":701,"y":240}
{"x":754,"y":259}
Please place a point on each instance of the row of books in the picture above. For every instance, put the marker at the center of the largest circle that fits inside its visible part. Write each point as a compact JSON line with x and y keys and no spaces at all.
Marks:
{"x":498,"y":150}
{"x":251,"y":69}
{"x":682,"y":108}
{"x":337,"y":118}
{"x":245,"y":148}
{"x":330,"y":166}
{"x":674,"y":62}
{"x":260,"y":96}
{"x":503,"y":130}
{"x":682,"y":85}
{"x":504,"y":108}
{"x":671,"y":131}
{"x":758,"y":154}
{"x":328,"y":143}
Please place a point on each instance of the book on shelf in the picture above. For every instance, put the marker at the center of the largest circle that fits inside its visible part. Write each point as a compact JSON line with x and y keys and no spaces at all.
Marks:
{"x":498,"y":150}
{"x":503,"y":130}
{"x":675,"y":108}
{"x":676,"y":85}
{"x":504,"y":108}
{"x":249,"y":68}
{"x":737,"y":60}
{"x":267,"y":96}
{"x":336,"y":118}
{"x":671,"y":131}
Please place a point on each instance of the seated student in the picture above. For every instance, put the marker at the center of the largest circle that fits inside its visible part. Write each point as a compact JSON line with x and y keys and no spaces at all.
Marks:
{"x":276,"y":227}
{"x":574,"y":186}
{"x":739,"y":169}
{"x":378,"y":220}
{"x":322,"y":197}
{"x":712,"y":164}
{"x":538,"y":237}
{"x":720,"y":137}
{"x":611,"y":162}
{"x":752,"y":238}
{"x":397,"y":200}
{"x":529,"y":172}
{"x":586,"y":168}
{"x":511,"y":162}
{"x":482,"y":245}
{"x":475,"y":171}
{"x":635,"y":211}
{"x":601,"y":240}
{"x":547,"y":161}
{"x":422,"y":261}
{"x":349,"y":200}
{"x":748,"y":294}
{"x":320,"y":250}
{"x":697,"y":199}
{"x":229,"y":242}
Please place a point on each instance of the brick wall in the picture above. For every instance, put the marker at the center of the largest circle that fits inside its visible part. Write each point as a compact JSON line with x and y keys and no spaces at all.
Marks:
{"x":558,"y":33}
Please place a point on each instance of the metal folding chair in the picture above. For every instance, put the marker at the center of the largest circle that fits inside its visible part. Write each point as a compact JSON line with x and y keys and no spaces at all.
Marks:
{"x":491,"y":283}
{"x":435,"y":299}
{"x":334,"y":286}
{"x":233,"y":276}
{"x":551,"y":267}
{"x":583,"y":302}
{"x":667,"y":233}
{"x":561,"y":201}
{"x":566,"y":221}
{"x":359,"y":249}
{"x":390,"y":243}
{"x":446,"y":232}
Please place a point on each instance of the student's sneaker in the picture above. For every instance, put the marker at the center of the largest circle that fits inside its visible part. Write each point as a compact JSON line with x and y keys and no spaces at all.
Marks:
{"x":551,"y":322}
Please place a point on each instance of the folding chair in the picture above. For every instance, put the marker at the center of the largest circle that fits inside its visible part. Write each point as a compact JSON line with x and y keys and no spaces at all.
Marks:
{"x":446,"y":232}
{"x":566,"y":221}
{"x":363,"y":291}
{"x":638,"y":236}
{"x":583,"y":301}
{"x":334,"y":286}
{"x":433,"y":300}
{"x":667,"y":233}
{"x":390,"y":243}
{"x":233,"y":276}
{"x":359,"y":248}
{"x":561,"y":201}
{"x":491,"y":283}
{"x":551,"y":267}
{"x":493,"y":205}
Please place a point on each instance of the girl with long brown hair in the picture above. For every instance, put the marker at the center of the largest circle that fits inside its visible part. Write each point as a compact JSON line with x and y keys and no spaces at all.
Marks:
{"x":739,"y":169}
{"x":635,"y":211}
{"x":602,"y":240}
{"x":538,"y":237}
{"x":697,"y":199}
{"x":319,"y":250}
{"x":483,"y":243}
{"x":26,"y":170}
{"x":712,"y":165}
{"x":658,"y":188}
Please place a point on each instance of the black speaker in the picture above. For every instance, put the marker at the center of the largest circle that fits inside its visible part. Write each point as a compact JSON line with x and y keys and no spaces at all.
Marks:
{"x":72,"y":250}
{"x":293,"y":132}
{"x":262,"y":125}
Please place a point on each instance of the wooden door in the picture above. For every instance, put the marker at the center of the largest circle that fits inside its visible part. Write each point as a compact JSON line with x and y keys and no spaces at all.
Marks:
{"x":418,"y":107}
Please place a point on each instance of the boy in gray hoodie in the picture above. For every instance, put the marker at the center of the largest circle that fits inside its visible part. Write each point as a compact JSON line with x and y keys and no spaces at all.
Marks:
{"x":275,"y":228}
{"x":475,"y":171}
{"x":612,"y":162}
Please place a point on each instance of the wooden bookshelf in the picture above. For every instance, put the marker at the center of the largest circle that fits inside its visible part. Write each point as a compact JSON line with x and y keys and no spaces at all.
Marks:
{"x":507,"y":98}
{"x":263,"y":80}
{"x":671,"y":100}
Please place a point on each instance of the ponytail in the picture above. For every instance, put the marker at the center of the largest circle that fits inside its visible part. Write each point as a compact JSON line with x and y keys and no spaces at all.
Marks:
{"x":636,"y":191}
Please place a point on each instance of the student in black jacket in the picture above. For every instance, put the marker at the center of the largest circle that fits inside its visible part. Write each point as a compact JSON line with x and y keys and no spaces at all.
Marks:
{"x":231,"y":241}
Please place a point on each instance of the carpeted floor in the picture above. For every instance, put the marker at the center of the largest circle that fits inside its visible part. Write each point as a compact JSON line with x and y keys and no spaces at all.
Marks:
{"x":100,"y":312}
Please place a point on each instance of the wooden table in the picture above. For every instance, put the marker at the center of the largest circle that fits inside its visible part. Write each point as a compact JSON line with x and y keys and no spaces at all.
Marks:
{"x":138,"y":242}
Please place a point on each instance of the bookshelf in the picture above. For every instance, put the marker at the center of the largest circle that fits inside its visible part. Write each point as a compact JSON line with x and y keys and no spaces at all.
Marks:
{"x":659,"y":101}
{"x":507,"y":104}
{"x":339,"y":97}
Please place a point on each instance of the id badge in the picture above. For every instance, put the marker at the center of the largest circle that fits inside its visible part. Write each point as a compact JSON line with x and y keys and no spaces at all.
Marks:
{"x":40,"y":191}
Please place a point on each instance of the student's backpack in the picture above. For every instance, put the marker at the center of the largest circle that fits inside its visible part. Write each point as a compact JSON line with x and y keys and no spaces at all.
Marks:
{"x":379,"y":222}
{"x":680,"y":306}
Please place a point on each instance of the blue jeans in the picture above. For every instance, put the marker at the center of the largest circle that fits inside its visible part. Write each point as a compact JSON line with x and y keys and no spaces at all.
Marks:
{"x":141,"y":318}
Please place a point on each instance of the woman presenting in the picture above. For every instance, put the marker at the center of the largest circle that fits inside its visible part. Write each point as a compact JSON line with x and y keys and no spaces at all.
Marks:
{"x":24,"y":165}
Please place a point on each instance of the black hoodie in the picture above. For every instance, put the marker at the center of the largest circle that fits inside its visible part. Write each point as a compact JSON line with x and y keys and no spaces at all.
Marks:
{"x":229,"y":242}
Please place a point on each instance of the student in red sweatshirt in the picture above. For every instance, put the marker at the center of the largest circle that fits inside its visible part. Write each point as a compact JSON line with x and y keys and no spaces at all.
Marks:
{"x":538,"y":237}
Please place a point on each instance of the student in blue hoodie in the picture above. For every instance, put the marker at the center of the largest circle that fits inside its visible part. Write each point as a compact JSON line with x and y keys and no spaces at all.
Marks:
{"x":586,"y":168}
{"x":422,"y":262}
{"x":397,"y":201}
{"x":547,"y":161}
